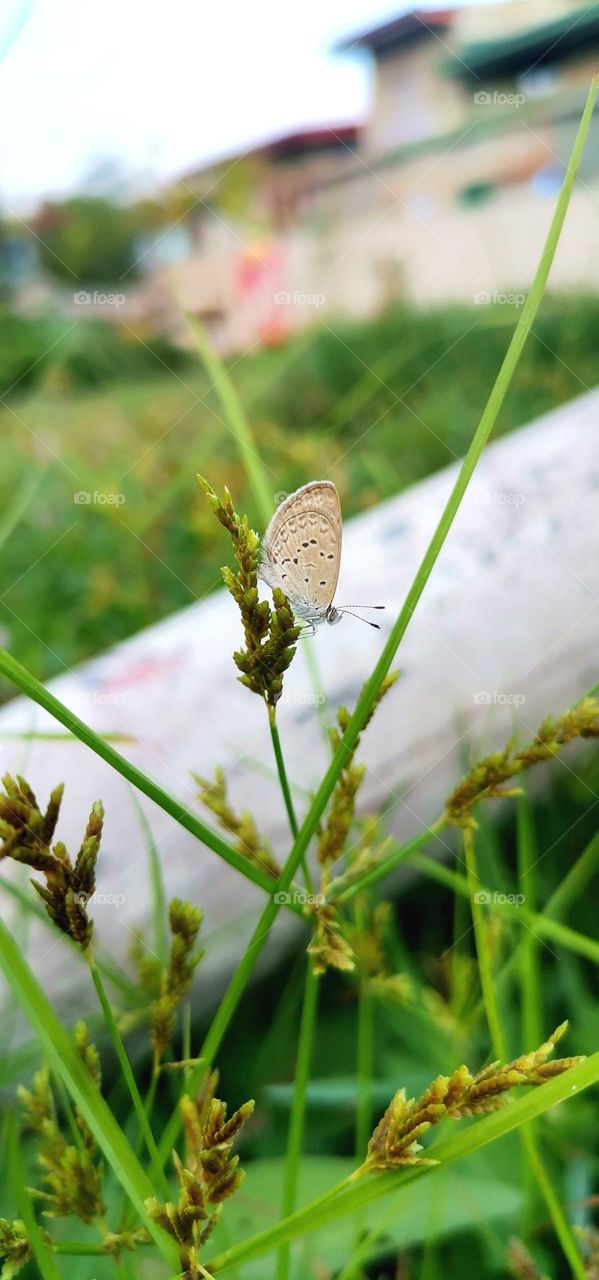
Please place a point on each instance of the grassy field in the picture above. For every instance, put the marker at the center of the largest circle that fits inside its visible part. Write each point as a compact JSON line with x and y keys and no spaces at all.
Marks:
{"x":373,"y":406}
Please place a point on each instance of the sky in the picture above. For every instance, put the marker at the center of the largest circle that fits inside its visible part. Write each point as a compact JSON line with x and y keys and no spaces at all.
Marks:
{"x":154,"y":89}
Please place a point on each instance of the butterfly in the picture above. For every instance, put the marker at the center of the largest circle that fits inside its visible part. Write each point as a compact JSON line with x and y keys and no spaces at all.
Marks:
{"x":301,"y":554}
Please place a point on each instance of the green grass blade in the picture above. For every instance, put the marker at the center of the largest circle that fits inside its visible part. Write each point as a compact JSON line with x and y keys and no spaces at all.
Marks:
{"x":530,"y":978}
{"x":532,"y":1022}
{"x":558,"y":1218}
{"x":286,"y":789}
{"x":388,"y":864}
{"x":530,"y":1000}
{"x":483,"y":950}
{"x":558,"y":933}
{"x":222,"y":1020}
{"x":22,"y":500}
{"x":575,"y":880}
{"x":571,"y":886}
{"x":129,"y":1078}
{"x":569,"y":889}
{"x":281,"y":771}
{"x":298,"y":1108}
{"x":235,"y":417}
{"x":109,"y":969}
{"x":27,"y":683}
{"x":254,"y":465}
{"x":346,"y":1199}
{"x":159,"y":903}
{"x":229,"y":1003}
{"x":65,"y":1062}
{"x":42,"y":1254}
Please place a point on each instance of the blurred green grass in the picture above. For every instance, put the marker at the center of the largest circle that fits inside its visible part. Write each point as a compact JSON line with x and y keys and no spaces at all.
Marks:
{"x":375,"y":406}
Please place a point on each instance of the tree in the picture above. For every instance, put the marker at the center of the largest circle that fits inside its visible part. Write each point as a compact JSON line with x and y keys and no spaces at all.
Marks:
{"x":87,"y":237}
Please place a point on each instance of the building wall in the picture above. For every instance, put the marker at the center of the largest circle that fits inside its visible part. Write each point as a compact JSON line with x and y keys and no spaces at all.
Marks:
{"x":413,"y":99}
{"x":409,"y":231}
{"x":494,"y":21}
{"x":488,"y":256}
{"x":411,"y":238}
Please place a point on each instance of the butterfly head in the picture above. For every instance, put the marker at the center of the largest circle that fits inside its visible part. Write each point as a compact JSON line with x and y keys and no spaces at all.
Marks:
{"x":333,"y":615}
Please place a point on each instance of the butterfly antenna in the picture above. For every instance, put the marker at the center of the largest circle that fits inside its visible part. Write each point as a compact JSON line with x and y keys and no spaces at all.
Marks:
{"x":366,"y":620}
{"x":360,"y":606}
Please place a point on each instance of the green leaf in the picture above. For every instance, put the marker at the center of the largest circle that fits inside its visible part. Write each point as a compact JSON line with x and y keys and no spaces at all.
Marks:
{"x":22,"y":499}
{"x":337,"y":1093}
{"x":23,"y":679}
{"x":65,"y":1061}
{"x":43,"y":1255}
{"x":461,"y":1200}
{"x":342,"y":1200}
{"x":157,"y":883}
{"x":235,"y":417}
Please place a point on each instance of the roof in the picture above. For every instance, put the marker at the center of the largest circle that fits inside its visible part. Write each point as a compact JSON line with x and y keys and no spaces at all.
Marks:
{"x":317,"y":138}
{"x":572,"y":33}
{"x":293,"y":144}
{"x":404,"y":30}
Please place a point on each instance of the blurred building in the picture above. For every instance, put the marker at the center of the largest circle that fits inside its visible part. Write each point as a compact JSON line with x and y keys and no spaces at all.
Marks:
{"x":227,"y":259}
{"x":444,"y":192}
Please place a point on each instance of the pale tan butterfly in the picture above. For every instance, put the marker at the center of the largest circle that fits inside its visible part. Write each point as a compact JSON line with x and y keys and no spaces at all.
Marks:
{"x":301,"y":554}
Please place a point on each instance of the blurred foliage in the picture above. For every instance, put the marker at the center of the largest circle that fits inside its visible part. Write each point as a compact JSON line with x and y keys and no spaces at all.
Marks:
{"x":375,"y":406}
{"x":87,"y":239}
{"x":58,"y":354}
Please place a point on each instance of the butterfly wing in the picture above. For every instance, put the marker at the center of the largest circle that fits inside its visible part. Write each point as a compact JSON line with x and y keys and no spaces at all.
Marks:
{"x":301,"y":550}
